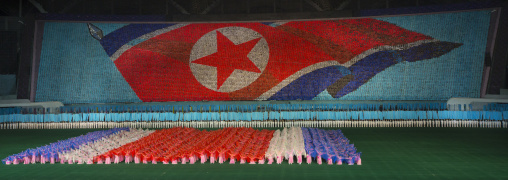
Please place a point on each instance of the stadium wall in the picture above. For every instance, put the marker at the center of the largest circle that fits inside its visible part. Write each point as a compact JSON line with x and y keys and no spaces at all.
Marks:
{"x":412,"y":57}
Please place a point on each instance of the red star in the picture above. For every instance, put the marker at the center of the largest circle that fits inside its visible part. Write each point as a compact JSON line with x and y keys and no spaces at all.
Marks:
{"x":229,"y":57}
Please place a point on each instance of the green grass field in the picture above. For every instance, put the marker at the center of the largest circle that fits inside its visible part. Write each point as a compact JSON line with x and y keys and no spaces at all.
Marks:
{"x":388,"y":153}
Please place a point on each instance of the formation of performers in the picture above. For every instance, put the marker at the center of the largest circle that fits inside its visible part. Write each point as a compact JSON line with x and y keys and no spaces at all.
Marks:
{"x":189,"y":145}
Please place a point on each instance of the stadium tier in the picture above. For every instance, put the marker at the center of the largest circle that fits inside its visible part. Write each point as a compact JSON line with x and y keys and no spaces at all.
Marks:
{"x":394,"y":71}
{"x":255,"y":115}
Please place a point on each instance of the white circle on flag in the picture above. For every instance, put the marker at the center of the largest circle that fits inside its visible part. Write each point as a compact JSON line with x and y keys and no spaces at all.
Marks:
{"x":207,"y":45}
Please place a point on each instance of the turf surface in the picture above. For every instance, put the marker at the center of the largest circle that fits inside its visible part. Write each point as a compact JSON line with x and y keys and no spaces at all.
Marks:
{"x":388,"y":153}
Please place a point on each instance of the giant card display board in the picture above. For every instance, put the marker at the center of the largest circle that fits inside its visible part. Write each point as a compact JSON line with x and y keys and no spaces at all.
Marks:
{"x":414,"y":57}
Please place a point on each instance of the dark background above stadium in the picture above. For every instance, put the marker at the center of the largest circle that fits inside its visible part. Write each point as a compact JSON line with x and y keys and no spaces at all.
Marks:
{"x":194,"y":7}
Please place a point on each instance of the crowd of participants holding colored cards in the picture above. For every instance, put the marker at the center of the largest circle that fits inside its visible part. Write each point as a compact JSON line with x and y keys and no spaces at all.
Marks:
{"x":188,"y":145}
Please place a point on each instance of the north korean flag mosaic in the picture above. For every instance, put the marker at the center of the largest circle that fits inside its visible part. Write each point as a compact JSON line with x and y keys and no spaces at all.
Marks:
{"x":345,"y":59}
